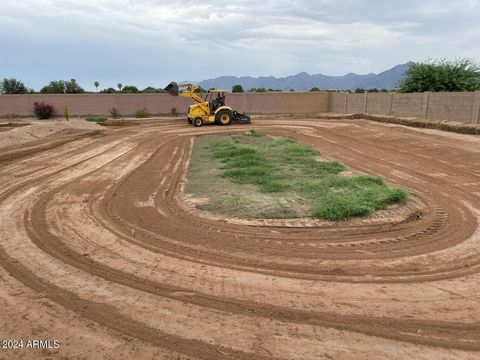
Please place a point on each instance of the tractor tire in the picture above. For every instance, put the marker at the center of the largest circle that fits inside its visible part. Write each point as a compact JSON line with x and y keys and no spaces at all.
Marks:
{"x":189,"y":121}
{"x":224,"y":117}
{"x":198,"y":121}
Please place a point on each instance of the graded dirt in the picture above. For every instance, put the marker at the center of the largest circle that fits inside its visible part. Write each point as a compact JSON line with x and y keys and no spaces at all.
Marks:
{"x":99,"y":250}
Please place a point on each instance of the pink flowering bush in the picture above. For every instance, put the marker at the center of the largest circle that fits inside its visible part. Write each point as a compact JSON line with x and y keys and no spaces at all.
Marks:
{"x":42,"y":110}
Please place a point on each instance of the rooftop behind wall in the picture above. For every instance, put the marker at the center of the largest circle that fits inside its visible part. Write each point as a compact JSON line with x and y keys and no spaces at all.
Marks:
{"x":127,"y":104}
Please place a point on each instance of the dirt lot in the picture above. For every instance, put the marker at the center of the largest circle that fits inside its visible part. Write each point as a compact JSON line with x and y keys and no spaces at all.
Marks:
{"x":99,"y":251}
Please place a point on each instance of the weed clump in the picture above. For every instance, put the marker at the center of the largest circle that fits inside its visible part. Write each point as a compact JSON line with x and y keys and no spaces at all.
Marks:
{"x":66,"y":113}
{"x":254,"y":133}
{"x":142,"y":113}
{"x":115,"y":113}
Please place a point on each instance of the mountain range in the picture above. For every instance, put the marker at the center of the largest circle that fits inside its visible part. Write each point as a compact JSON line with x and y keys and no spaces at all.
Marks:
{"x":303,"y":81}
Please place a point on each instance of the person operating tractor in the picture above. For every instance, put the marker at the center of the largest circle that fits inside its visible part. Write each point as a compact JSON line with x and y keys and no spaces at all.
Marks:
{"x":219,"y":101}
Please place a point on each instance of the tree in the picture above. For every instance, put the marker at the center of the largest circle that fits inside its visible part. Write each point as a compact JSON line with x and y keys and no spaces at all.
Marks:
{"x":71,"y":87}
{"x":149,"y":89}
{"x":120,"y":86}
{"x":110,"y":90}
{"x":200,"y":90}
{"x":237,"y":88}
{"x":13,"y":86}
{"x":54,"y":87}
{"x":359,"y":90}
{"x":442,"y":75}
{"x":62,"y":87}
{"x":314,"y":89}
{"x":260,"y":90}
{"x":374,"y":90}
{"x":130,"y":89}
{"x":97,"y":84}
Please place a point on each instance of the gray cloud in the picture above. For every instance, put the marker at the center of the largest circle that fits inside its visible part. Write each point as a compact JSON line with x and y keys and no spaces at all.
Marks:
{"x":149,"y":42}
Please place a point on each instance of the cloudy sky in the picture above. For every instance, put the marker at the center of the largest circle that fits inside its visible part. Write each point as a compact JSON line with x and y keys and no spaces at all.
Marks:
{"x":151,"y":42}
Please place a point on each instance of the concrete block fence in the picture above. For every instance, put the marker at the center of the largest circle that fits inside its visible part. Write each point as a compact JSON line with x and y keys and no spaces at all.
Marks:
{"x":459,"y":106}
{"x":127,"y":104}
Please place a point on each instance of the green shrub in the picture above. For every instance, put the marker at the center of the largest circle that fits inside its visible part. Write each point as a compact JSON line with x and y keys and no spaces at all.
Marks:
{"x":237,"y":88}
{"x":96,"y":119}
{"x":114,"y":113}
{"x":142,"y":113}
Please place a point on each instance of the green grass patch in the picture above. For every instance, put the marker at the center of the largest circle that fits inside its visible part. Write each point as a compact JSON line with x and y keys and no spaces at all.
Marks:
{"x":251,"y":174}
{"x":96,"y":119}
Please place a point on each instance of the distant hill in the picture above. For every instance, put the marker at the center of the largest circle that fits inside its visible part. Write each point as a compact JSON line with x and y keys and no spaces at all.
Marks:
{"x":304,"y":81}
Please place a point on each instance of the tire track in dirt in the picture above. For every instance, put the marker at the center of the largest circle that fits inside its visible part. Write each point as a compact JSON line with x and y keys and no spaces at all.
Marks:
{"x":417,"y":238}
{"x":432,"y":242}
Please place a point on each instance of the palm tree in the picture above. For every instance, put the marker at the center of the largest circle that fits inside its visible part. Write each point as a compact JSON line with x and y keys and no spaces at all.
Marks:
{"x":97,"y":84}
{"x":120,"y":86}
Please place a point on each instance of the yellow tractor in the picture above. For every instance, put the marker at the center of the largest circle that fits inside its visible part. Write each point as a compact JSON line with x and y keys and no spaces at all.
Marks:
{"x":209,"y":110}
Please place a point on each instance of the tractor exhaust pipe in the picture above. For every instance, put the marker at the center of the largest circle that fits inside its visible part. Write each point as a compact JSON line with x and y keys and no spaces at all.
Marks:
{"x":172,"y":89}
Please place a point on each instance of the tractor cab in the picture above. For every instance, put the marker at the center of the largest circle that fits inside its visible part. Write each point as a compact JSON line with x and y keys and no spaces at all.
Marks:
{"x":215,"y":99}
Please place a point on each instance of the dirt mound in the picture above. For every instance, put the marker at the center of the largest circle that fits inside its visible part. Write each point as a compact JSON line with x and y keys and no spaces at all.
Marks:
{"x":13,"y":124}
{"x":40,"y":129}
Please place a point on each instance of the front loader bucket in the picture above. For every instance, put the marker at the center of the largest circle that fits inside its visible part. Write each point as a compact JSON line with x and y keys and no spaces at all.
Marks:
{"x":172,"y":89}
